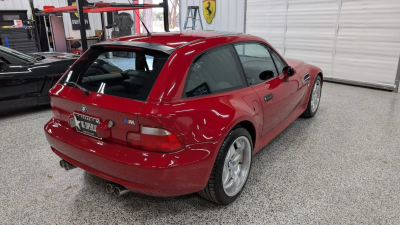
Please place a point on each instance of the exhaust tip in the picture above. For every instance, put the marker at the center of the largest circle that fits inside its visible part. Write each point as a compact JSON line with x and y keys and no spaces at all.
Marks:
{"x":110,"y":188}
{"x":120,"y":190}
{"x":62,"y":163}
{"x":66,"y":165}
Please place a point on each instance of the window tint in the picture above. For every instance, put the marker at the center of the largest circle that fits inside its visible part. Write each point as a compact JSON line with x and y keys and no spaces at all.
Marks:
{"x":214,"y":71}
{"x":120,"y":73}
{"x":255,"y":59}
{"x":278,"y":61}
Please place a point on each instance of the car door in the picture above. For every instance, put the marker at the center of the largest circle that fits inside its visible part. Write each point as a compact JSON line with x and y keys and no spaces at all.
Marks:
{"x":17,"y":84}
{"x":215,"y":93}
{"x":278,"y":93}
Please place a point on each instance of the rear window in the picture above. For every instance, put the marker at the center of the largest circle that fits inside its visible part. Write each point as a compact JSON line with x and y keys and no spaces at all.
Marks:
{"x":121,"y":73}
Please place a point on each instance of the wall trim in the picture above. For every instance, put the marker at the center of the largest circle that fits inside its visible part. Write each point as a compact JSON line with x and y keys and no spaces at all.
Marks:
{"x":285,"y":28}
{"x":397,"y":81}
{"x":245,"y":16}
{"x":386,"y":87}
{"x":335,"y":37}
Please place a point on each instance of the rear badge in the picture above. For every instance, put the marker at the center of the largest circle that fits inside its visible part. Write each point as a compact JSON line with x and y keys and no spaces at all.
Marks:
{"x":130,"y":122}
{"x":83,"y":108}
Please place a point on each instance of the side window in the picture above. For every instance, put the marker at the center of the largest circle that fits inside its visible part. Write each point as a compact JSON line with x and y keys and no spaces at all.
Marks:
{"x":212,"y":72}
{"x":278,"y":61}
{"x":255,"y":59}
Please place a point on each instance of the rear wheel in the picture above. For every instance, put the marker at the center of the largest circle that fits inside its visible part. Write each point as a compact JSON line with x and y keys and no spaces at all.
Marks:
{"x":231,"y":168}
{"x":315,"y":97}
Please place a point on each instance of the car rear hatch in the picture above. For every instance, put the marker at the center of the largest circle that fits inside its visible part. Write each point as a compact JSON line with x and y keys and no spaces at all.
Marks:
{"x":103,"y":92}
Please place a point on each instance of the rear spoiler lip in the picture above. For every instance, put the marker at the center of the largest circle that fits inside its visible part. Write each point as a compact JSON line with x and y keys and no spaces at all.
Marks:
{"x":144,"y":45}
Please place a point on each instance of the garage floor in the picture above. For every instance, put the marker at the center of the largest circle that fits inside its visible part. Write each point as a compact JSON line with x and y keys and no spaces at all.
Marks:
{"x":342,"y":166}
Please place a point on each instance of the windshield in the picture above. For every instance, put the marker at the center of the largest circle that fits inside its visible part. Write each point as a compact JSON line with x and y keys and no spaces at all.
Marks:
{"x":121,"y":73}
{"x":17,"y":54}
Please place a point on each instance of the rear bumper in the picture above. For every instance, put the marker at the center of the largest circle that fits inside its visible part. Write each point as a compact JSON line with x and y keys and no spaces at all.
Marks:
{"x":151,"y":173}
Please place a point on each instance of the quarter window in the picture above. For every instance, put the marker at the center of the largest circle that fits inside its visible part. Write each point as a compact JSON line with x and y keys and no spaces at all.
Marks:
{"x":278,"y":61}
{"x":255,"y":59}
{"x":214,"y":71}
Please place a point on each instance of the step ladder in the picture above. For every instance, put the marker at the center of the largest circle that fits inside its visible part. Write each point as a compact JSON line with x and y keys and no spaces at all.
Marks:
{"x":193,"y":17}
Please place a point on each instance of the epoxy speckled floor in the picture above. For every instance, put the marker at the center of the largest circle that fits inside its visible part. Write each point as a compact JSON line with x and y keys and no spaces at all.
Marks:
{"x":342,"y":166}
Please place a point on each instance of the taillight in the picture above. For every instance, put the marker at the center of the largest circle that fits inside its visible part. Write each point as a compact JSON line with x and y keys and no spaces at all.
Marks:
{"x":155,"y":139}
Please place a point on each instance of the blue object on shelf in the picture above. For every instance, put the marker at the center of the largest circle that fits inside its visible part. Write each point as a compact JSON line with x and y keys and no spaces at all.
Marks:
{"x":6,"y":39}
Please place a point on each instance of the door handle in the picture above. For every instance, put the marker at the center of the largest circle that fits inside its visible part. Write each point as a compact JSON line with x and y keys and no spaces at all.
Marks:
{"x":306,"y":78}
{"x":268,"y":97}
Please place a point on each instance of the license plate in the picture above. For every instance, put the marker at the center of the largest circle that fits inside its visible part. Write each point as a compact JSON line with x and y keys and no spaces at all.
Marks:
{"x":86,"y":124}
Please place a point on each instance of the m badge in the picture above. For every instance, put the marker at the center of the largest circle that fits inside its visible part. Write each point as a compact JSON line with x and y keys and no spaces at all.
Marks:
{"x":209,"y":7}
{"x":130,"y":122}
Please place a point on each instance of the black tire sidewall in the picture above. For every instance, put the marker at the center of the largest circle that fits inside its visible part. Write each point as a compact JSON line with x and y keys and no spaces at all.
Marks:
{"x":220,"y":194}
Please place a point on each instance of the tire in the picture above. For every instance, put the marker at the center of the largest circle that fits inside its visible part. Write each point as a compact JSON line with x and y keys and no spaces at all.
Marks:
{"x":231,"y":166}
{"x":313,"y":103}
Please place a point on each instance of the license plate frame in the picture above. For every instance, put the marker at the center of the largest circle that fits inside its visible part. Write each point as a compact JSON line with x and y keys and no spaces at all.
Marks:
{"x":87,"y":125}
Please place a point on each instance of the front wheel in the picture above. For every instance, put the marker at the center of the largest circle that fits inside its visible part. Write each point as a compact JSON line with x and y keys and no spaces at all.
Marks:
{"x":231,"y":168}
{"x":315,"y":97}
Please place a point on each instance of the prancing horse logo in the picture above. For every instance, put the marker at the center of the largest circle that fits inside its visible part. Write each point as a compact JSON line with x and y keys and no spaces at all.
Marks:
{"x":209,"y":7}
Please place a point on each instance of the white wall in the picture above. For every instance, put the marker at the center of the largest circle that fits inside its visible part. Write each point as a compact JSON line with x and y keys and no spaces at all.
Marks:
{"x":267,"y":19}
{"x":229,"y":15}
{"x":351,"y":40}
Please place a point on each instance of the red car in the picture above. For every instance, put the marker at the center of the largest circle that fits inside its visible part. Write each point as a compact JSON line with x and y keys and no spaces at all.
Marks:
{"x":177,"y":113}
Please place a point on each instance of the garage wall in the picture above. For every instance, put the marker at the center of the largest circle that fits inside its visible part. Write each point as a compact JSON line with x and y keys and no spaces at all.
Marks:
{"x":229,"y":15}
{"x":267,"y":19}
{"x":355,"y":41}
{"x":94,"y":18}
{"x":310,"y":33}
{"x":368,"y":41}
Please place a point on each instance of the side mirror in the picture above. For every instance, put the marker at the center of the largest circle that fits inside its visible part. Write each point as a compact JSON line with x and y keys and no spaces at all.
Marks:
{"x":288,"y":71}
{"x":3,"y":66}
{"x":266,"y":75}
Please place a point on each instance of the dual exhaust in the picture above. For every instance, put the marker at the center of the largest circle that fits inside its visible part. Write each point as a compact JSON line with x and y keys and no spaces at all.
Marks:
{"x":111,"y":188}
{"x":116,"y":189}
{"x":66,"y":165}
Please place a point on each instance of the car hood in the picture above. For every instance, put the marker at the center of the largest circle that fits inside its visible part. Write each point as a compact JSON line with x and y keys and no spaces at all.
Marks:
{"x":294,"y":62}
{"x":49,"y":57}
{"x":300,"y":66}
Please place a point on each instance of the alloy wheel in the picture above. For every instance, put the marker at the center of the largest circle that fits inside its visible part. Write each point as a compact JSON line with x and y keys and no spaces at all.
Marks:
{"x":236,"y":166}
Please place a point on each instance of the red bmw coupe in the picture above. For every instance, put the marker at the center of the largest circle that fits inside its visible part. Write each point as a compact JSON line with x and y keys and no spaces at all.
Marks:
{"x":177,"y":113}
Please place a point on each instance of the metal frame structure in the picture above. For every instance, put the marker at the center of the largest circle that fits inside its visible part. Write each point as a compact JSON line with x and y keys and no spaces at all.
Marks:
{"x":37,"y":41}
{"x":100,"y":7}
{"x":193,"y":17}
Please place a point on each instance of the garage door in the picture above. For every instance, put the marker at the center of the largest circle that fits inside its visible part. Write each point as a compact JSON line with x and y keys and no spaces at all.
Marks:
{"x":353,"y":41}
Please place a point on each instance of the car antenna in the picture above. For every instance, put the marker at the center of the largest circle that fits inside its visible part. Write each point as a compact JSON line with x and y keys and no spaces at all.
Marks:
{"x":148,"y":32}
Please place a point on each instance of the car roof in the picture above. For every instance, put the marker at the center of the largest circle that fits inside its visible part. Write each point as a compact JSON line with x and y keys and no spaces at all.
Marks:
{"x":166,"y":42}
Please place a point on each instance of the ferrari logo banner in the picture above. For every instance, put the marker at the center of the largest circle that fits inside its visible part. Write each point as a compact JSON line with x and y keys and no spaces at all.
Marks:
{"x":209,"y":7}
